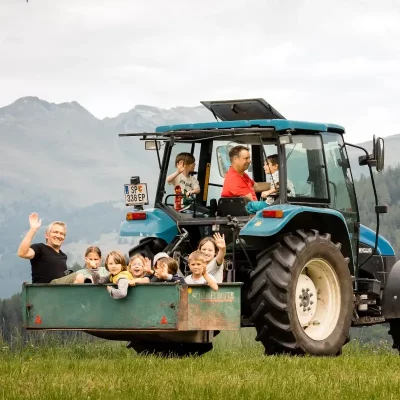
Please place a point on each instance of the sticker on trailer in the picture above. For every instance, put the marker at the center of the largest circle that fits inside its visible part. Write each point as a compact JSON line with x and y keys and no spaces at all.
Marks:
{"x":136,"y":195}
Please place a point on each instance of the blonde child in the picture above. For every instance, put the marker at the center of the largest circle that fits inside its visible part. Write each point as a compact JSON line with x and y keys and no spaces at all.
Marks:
{"x":118,"y":274}
{"x":139,"y":266}
{"x":214,"y":250}
{"x":198,"y":268}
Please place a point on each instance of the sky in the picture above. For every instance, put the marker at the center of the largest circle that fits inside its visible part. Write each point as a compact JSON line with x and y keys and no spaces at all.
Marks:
{"x":313,"y":60}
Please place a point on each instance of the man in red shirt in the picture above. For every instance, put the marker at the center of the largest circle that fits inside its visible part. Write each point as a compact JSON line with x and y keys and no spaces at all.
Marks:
{"x":237,"y":183}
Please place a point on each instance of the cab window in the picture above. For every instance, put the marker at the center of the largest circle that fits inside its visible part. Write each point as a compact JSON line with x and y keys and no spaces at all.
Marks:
{"x":193,"y":148}
{"x":306,"y":169}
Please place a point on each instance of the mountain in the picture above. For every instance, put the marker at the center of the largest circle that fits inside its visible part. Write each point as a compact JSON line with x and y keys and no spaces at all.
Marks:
{"x":66,"y":164}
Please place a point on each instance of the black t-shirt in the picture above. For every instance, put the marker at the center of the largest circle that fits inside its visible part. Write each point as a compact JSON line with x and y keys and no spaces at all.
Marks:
{"x":47,"y":263}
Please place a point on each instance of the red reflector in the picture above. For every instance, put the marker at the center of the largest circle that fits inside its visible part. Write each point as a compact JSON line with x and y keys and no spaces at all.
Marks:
{"x":272,"y":213}
{"x":38,"y":320}
{"x":164,"y":320}
{"x":131,"y":216}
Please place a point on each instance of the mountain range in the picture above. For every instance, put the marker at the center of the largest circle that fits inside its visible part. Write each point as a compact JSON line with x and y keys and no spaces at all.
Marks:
{"x":66,"y":164}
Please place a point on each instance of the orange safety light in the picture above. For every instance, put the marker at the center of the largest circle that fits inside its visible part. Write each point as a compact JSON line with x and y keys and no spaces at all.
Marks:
{"x":134,"y":216}
{"x":272,"y":213}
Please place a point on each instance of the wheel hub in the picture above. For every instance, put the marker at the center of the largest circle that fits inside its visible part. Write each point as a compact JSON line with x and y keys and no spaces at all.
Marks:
{"x":318,"y":299}
{"x":306,"y":293}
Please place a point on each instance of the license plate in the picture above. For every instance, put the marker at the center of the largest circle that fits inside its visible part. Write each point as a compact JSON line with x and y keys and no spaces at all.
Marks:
{"x":136,"y":194}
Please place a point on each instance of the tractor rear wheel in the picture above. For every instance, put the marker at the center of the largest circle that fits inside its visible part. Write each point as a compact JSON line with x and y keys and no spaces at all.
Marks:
{"x":301,"y":296}
{"x":171,"y":349}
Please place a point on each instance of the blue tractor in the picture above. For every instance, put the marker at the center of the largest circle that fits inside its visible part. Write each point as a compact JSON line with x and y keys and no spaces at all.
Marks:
{"x":310,"y":270}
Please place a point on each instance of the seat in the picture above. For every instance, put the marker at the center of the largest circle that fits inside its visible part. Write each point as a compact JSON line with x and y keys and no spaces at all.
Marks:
{"x":234,"y":206}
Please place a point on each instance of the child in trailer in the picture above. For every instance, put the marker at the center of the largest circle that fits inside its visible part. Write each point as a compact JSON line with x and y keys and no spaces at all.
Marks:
{"x":182,"y":179}
{"x":214,"y":250}
{"x":138,"y":266}
{"x":166,"y":270}
{"x":118,"y":274}
{"x":92,"y":262}
{"x":198,"y":268}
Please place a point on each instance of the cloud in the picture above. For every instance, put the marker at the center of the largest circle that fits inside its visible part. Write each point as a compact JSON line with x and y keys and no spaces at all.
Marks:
{"x":334,"y":62}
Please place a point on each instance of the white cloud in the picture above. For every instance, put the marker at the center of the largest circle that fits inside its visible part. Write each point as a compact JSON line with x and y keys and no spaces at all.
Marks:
{"x":313,"y":60}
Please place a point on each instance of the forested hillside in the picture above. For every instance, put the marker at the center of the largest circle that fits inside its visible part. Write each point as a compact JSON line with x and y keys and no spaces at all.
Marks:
{"x":388,"y":188}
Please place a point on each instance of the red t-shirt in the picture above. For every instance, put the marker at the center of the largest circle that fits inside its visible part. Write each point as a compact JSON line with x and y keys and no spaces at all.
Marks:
{"x":236,"y":185}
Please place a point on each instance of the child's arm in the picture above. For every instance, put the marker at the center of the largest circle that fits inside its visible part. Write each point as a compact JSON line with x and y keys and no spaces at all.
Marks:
{"x":211,"y":282}
{"x":135,"y":281}
{"x":220,"y":242}
{"x":122,"y":291}
{"x":97,"y":279}
{"x":179,"y":169}
{"x":196,"y":186}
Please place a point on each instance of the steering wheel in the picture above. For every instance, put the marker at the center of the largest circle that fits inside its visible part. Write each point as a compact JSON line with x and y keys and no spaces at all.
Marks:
{"x":187,"y":201}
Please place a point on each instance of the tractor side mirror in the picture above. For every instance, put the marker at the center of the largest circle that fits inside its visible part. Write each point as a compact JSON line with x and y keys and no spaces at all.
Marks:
{"x":379,"y":151}
{"x":152,"y":145}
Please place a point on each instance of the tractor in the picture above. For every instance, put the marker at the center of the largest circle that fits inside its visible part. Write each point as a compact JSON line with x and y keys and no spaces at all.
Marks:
{"x":301,"y":271}
{"x":310,"y":269}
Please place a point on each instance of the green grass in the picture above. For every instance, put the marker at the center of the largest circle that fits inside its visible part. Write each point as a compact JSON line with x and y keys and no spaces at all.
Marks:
{"x":236,"y":369}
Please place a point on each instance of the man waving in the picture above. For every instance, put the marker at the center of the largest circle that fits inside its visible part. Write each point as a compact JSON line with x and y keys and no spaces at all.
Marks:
{"x":48,"y":262}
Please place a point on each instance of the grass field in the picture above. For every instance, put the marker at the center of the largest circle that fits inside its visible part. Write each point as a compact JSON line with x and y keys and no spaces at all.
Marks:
{"x":236,"y":369}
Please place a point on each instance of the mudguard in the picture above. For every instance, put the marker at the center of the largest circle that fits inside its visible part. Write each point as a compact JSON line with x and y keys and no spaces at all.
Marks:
{"x":157,"y":224}
{"x":260,"y":226}
{"x":391,"y":294}
{"x":367,"y":236}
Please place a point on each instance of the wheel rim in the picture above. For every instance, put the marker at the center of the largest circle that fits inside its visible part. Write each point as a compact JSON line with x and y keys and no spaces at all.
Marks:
{"x":318,"y":299}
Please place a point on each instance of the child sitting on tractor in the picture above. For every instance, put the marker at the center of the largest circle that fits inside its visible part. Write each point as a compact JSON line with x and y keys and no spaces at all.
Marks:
{"x":214,"y":250}
{"x":198,"y":268}
{"x":185,"y":184}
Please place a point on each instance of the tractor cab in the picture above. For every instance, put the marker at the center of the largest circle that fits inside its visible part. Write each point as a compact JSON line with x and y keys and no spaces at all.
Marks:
{"x":311,"y":157}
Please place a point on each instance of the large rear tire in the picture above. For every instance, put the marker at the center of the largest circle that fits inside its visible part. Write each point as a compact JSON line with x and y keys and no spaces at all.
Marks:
{"x":301,"y":296}
{"x":394,"y":331}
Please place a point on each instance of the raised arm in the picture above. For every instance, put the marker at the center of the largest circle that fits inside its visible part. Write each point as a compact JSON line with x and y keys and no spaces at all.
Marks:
{"x":220,"y":242}
{"x":179,"y":169}
{"x":24,"y":249}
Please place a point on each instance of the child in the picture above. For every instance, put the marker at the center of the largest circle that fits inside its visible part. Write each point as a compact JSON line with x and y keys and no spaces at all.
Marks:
{"x":181,"y":179}
{"x":214,"y":250}
{"x":92,"y":262}
{"x":116,"y":265}
{"x":140,"y":268}
{"x":198,"y":268}
{"x":166,"y":270}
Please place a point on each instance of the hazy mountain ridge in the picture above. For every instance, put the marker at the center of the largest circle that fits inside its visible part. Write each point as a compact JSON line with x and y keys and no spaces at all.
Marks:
{"x":66,"y":164}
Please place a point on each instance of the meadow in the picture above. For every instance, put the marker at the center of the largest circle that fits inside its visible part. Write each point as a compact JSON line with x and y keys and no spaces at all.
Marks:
{"x":80,"y":368}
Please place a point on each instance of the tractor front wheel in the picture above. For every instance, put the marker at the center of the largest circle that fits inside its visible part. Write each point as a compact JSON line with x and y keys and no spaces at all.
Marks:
{"x":301,"y":296}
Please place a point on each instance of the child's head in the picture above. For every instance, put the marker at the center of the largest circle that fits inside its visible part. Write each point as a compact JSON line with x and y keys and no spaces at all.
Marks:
{"x":197,"y":263}
{"x":271,"y":164}
{"x":168,"y":262}
{"x":158,"y":257}
{"x":136,"y":265}
{"x":188,"y":161}
{"x":208,"y":247}
{"x":115,"y":262}
{"x":93,"y":255}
